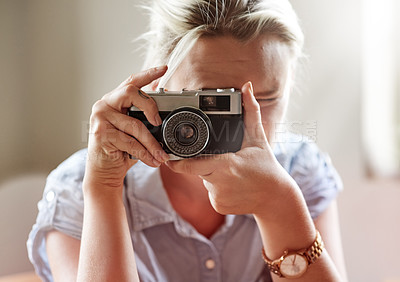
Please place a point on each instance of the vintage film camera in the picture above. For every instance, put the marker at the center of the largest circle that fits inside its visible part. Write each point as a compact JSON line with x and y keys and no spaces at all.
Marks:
{"x":198,"y":122}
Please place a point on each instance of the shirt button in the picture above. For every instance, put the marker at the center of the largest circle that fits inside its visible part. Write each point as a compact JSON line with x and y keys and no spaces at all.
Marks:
{"x":50,"y":196}
{"x":210,"y":264}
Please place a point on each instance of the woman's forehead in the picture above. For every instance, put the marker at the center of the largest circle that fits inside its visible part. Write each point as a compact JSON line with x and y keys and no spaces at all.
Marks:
{"x":220,"y":62}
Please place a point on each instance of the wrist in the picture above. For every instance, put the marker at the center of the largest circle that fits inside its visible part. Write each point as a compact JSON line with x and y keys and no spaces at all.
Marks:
{"x":286,"y":203}
{"x":294,"y":263}
{"x":287,"y":226}
{"x":103,"y":171}
{"x":97,"y":188}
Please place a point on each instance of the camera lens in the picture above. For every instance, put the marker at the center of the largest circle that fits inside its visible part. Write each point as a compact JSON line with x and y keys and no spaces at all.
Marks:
{"x":186,"y":131}
{"x":186,"y":134}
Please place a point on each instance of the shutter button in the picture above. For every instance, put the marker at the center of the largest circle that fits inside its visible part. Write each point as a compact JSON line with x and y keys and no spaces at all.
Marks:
{"x":210,"y":264}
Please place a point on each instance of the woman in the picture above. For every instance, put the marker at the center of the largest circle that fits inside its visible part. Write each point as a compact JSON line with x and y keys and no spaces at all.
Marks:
{"x":106,"y":217}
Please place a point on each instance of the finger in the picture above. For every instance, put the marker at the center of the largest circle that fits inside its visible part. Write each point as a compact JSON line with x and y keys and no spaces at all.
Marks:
{"x":202,"y":166}
{"x":145,"y":77}
{"x":254,"y":132}
{"x":139,"y":131}
{"x":113,"y":140}
{"x":154,"y":84}
{"x":125,"y":97}
{"x":129,"y":93}
{"x":138,"y":152}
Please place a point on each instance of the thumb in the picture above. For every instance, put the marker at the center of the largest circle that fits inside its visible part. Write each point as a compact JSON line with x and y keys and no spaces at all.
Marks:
{"x":254,"y":132}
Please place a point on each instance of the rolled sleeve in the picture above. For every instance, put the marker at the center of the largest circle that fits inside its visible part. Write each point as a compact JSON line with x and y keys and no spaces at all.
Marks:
{"x":317,"y":178}
{"x":61,"y":208}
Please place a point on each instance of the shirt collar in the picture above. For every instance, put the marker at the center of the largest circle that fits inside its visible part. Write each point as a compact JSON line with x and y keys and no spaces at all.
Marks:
{"x":149,"y":202}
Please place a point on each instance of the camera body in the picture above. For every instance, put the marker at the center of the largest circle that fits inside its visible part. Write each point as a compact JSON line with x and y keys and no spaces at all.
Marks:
{"x":196,"y":122}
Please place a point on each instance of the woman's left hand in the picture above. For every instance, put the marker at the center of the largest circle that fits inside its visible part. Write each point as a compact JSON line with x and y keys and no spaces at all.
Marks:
{"x":250,"y":181}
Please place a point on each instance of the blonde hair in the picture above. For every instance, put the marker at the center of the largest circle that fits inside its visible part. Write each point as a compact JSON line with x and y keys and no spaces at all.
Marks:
{"x":175,"y":26}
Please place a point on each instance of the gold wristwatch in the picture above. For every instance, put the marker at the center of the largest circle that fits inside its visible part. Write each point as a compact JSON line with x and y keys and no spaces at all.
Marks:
{"x":293,"y":264}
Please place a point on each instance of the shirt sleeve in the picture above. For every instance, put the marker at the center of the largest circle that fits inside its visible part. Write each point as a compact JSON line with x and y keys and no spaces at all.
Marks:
{"x":61,"y":208}
{"x":317,"y":178}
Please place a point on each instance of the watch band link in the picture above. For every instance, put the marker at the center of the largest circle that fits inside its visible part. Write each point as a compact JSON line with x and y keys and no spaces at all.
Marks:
{"x":311,"y":254}
{"x":315,"y":250}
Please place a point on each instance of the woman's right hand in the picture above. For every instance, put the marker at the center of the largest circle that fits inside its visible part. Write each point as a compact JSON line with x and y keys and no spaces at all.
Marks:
{"x":114,"y":135}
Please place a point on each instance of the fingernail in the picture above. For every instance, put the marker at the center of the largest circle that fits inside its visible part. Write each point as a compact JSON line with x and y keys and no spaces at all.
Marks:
{"x":157,"y":119}
{"x":165,"y":156}
{"x":161,"y":156}
{"x":156,"y":163}
{"x":161,"y":67}
{"x":250,"y":87}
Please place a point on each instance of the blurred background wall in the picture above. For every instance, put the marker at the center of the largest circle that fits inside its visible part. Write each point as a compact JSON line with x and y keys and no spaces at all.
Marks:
{"x":58,"y":57}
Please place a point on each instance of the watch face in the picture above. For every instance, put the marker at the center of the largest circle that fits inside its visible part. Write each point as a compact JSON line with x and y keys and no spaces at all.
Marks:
{"x":293,"y":266}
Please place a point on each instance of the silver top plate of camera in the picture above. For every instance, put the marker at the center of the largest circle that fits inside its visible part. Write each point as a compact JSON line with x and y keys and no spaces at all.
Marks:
{"x":211,"y":101}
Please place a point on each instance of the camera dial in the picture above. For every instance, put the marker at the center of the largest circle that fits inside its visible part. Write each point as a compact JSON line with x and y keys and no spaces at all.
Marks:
{"x":186,"y":131}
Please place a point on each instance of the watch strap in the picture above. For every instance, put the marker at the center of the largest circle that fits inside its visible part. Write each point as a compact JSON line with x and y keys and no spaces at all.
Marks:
{"x":311,"y":254}
{"x":315,"y":250}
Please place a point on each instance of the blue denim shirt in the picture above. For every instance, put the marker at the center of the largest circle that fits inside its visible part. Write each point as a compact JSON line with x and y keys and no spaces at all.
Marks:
{"x":167,"y":248}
